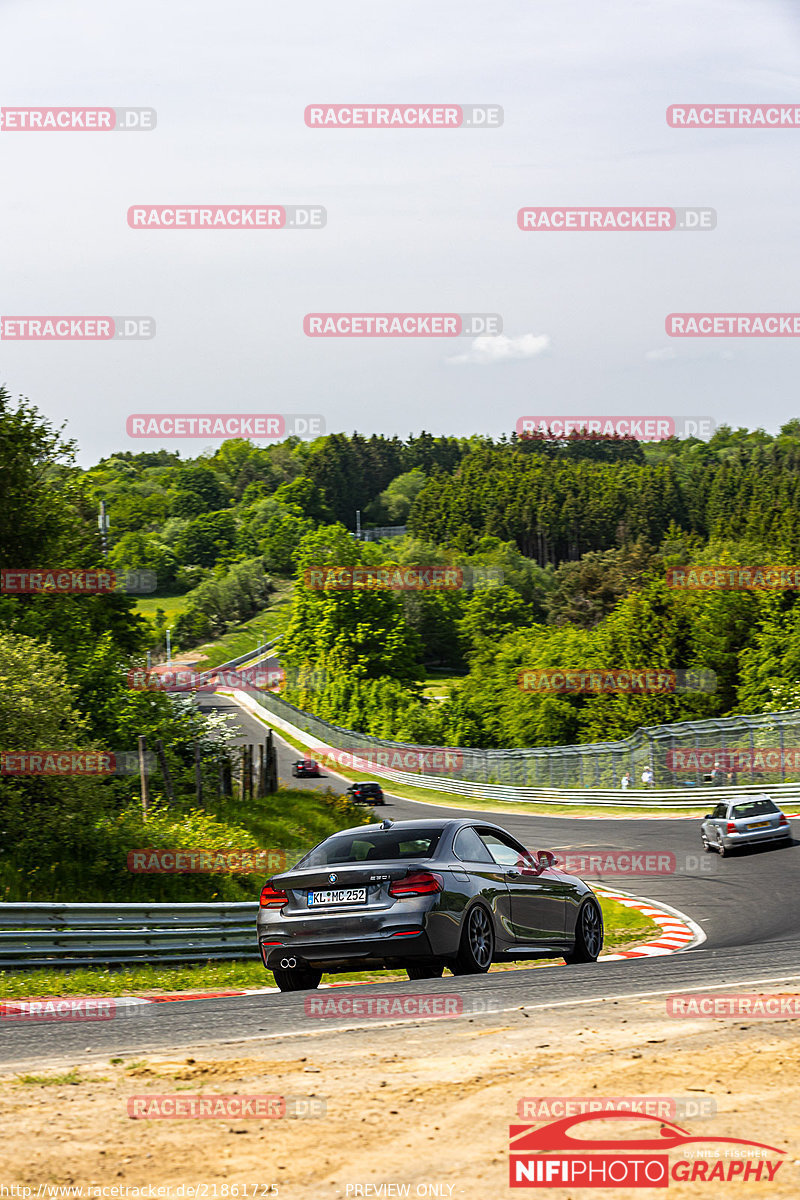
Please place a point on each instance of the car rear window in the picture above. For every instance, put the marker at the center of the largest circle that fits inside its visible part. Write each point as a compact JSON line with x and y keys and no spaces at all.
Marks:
{"x":378,"y":846}
{"x":753,"y":808}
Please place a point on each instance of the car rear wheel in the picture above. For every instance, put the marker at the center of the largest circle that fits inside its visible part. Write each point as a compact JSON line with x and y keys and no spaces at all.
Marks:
{"x":588,"y":934}
{"x":297,"y":979}
{"x":476,"y":951}
{"x":429,"y":971}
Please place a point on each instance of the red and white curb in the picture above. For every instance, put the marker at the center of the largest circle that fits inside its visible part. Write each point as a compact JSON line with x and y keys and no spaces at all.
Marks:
{"x":679,"y":932}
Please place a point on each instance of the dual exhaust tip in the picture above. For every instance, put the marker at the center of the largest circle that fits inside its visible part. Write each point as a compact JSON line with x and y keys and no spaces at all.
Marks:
{"x":288,"y":963}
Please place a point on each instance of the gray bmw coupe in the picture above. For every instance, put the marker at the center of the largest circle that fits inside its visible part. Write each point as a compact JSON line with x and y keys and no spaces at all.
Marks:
{"x":422,"y":896}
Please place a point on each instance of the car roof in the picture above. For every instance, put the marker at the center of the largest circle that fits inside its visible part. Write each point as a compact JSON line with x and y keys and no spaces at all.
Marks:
{"x":426,"y":823}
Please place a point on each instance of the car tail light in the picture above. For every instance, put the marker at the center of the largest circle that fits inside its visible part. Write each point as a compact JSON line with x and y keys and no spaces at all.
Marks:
{"x":420,"y":883}
{"x":730,"y":827}
{"x":272,"y":897}
{"x":782,"y":820}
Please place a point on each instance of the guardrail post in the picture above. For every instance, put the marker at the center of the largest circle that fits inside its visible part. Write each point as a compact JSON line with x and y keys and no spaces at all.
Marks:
{"x":198,"y":774}
{"x":272,"y":764}
{"x":143,"y":777}
{"x":262,"y":776}
{"x":162,"y":758}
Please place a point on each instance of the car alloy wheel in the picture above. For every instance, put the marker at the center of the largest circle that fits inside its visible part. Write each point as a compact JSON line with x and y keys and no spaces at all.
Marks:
{"x":477,"y":944}
{"x":588,"y":934}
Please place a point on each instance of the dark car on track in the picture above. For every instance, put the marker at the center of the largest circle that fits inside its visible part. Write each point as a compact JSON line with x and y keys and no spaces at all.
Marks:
{"x":366,"y":793}
{"x":422,"y":896}
{"x":305,"y":768}
{"x":744,"y":822}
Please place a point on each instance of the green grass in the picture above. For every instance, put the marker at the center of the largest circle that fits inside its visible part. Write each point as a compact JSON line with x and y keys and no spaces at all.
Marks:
{"x":291,"y":818}
{"x":245,"y":637}
{"x":96,"y":869}
{"x":71,"y":1076}
{"x":437,"y":686}
{"x":625,"y":927}
{"x":172,"y":605}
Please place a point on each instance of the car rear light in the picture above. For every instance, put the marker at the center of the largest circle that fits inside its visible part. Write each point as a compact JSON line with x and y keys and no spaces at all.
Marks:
{"x":420,"y":883}
{"x":272,"y":898}
{"x":730,"y":827}
{"x":783,"y":819}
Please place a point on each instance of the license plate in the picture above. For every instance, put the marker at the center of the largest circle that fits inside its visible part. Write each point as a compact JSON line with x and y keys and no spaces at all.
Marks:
{"x":760,"y":825}
{"x":338,"y":896}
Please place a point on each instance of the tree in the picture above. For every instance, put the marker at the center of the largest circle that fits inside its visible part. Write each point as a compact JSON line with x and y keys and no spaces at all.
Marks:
{"x":198,"y":491}
{"x":207,"y":539}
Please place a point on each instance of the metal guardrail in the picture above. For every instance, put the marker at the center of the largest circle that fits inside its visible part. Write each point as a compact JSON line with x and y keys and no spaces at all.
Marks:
{"x":251,"y":657}
{"x":56,"y":934}
{"x":596,"y":766}
{"x":698,"y":797}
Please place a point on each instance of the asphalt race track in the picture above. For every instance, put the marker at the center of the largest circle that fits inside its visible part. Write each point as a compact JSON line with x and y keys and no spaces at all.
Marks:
{"x":748,"y":906}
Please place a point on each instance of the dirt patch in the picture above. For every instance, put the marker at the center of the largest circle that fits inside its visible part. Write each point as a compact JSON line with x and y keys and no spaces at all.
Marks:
{"x":424,"y":1105}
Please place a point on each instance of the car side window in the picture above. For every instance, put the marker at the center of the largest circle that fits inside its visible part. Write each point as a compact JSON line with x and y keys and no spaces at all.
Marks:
{"x":469,"y":847}
{"x":505,"y":853}
{"x":721,"y":811}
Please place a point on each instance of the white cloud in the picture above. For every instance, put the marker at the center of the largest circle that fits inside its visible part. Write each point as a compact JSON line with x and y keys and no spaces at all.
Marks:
{"x":499,"y":348}
{"x":662,"y":355}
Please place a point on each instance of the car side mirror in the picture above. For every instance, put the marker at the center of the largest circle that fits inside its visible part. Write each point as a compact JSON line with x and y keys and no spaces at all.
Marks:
{"x":546,"y":859}
{"x":708,"y":817}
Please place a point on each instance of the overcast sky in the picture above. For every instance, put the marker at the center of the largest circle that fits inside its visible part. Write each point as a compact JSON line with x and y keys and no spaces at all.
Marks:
{"x":418,"y":221}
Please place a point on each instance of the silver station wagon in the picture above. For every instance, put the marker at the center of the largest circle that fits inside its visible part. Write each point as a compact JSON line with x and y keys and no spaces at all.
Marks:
{"x":744,"y":822}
